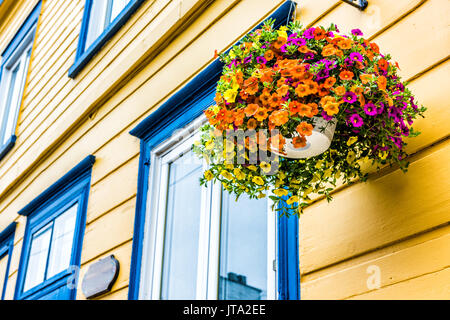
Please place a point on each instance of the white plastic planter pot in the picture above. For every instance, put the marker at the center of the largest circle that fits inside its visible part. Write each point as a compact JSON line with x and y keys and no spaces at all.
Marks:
{"x":316,"y":144}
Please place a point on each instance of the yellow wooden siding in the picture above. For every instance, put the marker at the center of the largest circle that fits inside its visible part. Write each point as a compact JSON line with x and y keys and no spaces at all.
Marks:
{"x":392,"y":220}
{"x":63,"y":120}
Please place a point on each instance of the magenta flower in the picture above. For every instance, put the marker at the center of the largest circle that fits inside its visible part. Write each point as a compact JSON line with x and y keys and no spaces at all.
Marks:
{"x":261,"y":60}
{"x":356,"y":56}
{"x":356,"y":120}
{"x":309,"y":33}
{"x":370,"y":109}
{"x":357,"y":32}
{"x":349,"y":97}
{"x":326,"y":116}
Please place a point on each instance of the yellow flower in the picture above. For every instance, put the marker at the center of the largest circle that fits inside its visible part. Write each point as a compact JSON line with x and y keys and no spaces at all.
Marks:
{"x":209,"y":145}
{"x":351,"y":156}
{"x":215,"y":109}
{"x":327,"y":173}
{"x":230,"y":95}
{"x":292,"y":199}
{"x":257,"y":74}
{"x":280,"y":192}
{"x":226,"y":175}
{"x":282,"y":175}
{"x":261,"y":195}
{"x":282,"y":34}
{"x":239,"y":174}
{"x":319,"y":164}
{"x":383,"y":155}
{"x":229,"y":166}
{"x":258,"y":180}
{"x":209,"y":175}
{"x":265,"y":167}
{"x":351,"y":141}
{"x":252,"y":168}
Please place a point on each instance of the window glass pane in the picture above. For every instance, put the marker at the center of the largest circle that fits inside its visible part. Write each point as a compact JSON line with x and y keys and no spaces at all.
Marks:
{"x":243,"y":249}
{"x":182,"y":229}
{"x":16,"y":98}
{"x":117,"y":7}
{"x":62,"y":241}
{"x":38,"y":258}
{"x":97,"y":18}
{"x":3,"y":265}
{"x":10,"y":87}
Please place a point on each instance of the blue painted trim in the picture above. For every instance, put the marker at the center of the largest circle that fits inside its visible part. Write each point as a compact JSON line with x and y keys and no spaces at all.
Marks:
{"x":288,"y":257}
{"x":7,"y":146}
{"x":6,"y":249}
{"x":72,"y":188}
{"x":23,"y":31}
{"x":84,"y":165}
{"x":179,"y":110}
{"x":84,"y":55}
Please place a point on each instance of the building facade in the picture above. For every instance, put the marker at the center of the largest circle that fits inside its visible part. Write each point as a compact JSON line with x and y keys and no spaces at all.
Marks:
{"x":100,"y":102}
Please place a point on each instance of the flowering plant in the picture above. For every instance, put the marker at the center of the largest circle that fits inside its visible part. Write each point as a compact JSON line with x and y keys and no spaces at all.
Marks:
{"x":278,"y":83}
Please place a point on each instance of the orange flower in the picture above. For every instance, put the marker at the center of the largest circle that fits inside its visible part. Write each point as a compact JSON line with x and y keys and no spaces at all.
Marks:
{"x":239,"y":77}
{"x":329,"y":82}
{"x":382,"y":82}
{"x":327,"y":99}
{"x":239,"y":117}
{"x":251,"y":124}
{"x":305,"y":129}
{"x":265,"y":97}
{"x":298,"y":70}
{"x":218,"y":98}
{"x":383,"y":64}
{"x":279,"y":43}
{"x":328,"y":50}
{"x":287,"y":63}
{"x":251,"y":85}
{"x":303,"y":49}
{"x":281,"y":82}
{"x":283,"y":90}
{"x":357,"y":90}
{"x":365,"y":78}
{"x":322,"y":91}
{"x":331,"y":108}
{"x":229,"y":116}
{"x":374,"y":47}
{"x":340,"y":91}
{"x":275,"y":100}
{"x":304,"y":110}
{"x":346,"y":75}
{"x":314,"y":109}
{"x":299,"y":142}
{"x":267,"y":76}
{"x":251,"y":109}
{"x":319,"y":34}
{"x":269,"y":55}
{"x":345,"y":44}
{"x":294,"y":107}
{"x":286,"y":73}
{"x":261,"y":114}
{"x":279,"y":117}
{"x":312,"y":86}
{"x":302,"y":90}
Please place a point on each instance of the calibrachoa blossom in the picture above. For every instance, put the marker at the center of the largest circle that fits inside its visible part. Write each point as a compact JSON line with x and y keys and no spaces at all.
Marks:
{"x":276,"y":84}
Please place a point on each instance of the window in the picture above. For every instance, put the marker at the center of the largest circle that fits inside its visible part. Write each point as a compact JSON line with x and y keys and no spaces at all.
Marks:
{"x":188,"y":241}
{"x":101,"y":20}
{"x":205,"y":244}
{"x":15,"y":61}
{"x":6,"y":247}
{"x":53,"y":237}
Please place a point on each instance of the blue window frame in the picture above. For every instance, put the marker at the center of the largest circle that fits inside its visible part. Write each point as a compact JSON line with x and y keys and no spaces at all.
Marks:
{"x":52,"y":244}
{"x":15,"y":60}
{"x":181,"y":109}
{"x":6,"y":248}
{"x":101,"y":20}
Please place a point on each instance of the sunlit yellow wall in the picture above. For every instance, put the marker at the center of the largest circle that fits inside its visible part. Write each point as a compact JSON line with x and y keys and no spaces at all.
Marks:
{"x":396,"y":221}
{"x":395,"y":225}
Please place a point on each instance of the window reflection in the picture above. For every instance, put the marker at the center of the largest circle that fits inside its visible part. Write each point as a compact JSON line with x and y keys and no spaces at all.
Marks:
{"x":243,"y":249}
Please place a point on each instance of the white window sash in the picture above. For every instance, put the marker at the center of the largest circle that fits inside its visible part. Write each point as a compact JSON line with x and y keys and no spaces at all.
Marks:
{"x":210,"y":225}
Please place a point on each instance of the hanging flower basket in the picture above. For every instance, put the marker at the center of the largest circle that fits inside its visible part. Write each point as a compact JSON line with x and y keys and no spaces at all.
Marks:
{"x":298,"y":111}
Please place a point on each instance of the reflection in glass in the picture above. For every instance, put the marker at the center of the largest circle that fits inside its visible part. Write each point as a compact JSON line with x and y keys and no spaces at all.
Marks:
{"x":38,"y":257}
{"x":243,"y":249}
{"x":182,"y":229}
{"x":62,"y":240}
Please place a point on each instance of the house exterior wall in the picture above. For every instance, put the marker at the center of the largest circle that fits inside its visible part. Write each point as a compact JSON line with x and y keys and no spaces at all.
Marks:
{"x":396,"y":222}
